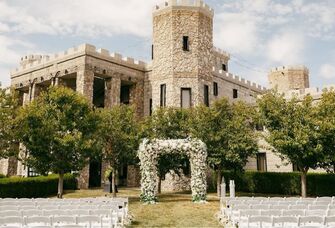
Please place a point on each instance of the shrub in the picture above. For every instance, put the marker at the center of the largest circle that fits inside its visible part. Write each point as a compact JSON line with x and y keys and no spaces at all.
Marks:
{"x":33,"y":187}
{"x":281,"y":183}
{"x":2,"y":176}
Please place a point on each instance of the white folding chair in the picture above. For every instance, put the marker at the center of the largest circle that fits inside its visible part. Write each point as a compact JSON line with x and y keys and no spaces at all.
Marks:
{"x":316,"y":212}
{"x":32,"y":213}
{"x":51,"y":207}
{"x":271,"y":212}
{"x":298,"y":207}
{"x":311,"y":220}
{"x":260,"y":206}
{"x":89,"y":207}
{"x":285,"y":221}
{"x":259,"y":220}
{"x":279,"y":207}
{"x":330,"y":221}
{"x":24,"y":208}
{"x":68,"y":207}
{"x":10,"y":213}
{"x":70,"y":226}
{"x":63,"y":220}
{"x":294,"y":213}
{"x":318,"y":207}
{"x":78,"y":212}
{"x":9,"y":208}
{"x":242,"y":217}
{"x":90,"y":220}
{"x":12,"y":221}
{"x":56,"y":212}
{"x":38,"y":221}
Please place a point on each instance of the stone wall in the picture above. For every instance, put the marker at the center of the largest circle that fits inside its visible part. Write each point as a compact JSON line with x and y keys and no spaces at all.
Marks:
{"x":288,"y":78}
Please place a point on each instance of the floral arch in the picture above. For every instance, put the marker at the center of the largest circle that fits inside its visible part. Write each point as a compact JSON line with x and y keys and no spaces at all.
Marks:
{"x":148,"y":153}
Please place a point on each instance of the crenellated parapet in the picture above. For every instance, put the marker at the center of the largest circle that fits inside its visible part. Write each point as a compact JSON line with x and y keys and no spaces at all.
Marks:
{"x":315,"y":92}
{"x":32,"y":62}
{"x":195,"y":4}
{"x":291,"y":67}
{"x":221,"y":53}
{"x":238,"y":80}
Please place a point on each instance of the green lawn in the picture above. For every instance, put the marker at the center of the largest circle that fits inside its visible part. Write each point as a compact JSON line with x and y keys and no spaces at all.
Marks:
{"x":172,"y":210}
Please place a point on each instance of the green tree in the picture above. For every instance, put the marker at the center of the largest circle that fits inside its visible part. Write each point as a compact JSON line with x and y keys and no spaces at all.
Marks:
{"x":9,"y":104}
{"x":326,"y":116}
{"x":168,"y":123}
{"x":57,"y":130}
{"x":118,"y":134}
{"x":227,"y":129}
{"x":293,"y":131}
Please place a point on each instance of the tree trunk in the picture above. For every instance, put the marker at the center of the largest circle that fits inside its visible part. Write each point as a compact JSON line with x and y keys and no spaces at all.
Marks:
{"x":218,"y":183}
{"x":113,"y":183}
{"x":303,"y":183}
{"x":60,"y":185}
{"x":159,"y":190}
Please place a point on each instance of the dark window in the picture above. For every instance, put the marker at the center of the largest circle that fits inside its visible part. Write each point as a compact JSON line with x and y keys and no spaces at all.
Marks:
{"x":215,"y":89}
{"x":185,"y":98}
{"x":206,"y":95}
{"x":186,"y":43}
{"x":163,"y":95}
{"x":235,"y":93}
{"x":224,"y":67}
{"x":150,"y":107}
{"x":152,"y":51}
{"x":261,"y":162}
{"x":125,"y":94}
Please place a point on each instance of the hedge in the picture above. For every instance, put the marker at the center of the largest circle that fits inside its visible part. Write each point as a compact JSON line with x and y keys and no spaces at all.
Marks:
{"x":2,"y":176}
{"x":33,"y":187}
{"x":318,"y":184}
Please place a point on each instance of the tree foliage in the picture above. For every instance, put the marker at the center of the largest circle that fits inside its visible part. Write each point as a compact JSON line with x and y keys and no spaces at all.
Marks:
{"x":57,"y":129}
{"x":118,"y":137}
{"x":9,"y":104}
{"x":293,"y":131}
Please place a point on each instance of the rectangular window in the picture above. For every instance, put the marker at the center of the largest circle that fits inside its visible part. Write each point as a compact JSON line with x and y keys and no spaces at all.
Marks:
{"x":224,"y":67}
{"x":152,"y":51}
{"x":163,"y":95}
{"x":186,"y":98}
{"x":215,"y":89}
{"x":235,"y":93}
{"x":186,"y":43}
{"x":206,"y":95}
{"x":261,"y":162}
{"x":32,"y":173}
{"x":150,"y":107}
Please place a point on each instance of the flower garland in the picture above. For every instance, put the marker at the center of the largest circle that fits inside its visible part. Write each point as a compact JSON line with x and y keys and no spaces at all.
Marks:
{"x":149,"y":152}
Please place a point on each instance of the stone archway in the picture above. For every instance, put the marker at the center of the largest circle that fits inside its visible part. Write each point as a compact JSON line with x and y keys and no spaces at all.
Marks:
{"x":148,"y":153}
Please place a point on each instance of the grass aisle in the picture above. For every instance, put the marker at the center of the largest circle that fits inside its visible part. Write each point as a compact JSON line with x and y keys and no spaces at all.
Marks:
{"x":173,"y":209}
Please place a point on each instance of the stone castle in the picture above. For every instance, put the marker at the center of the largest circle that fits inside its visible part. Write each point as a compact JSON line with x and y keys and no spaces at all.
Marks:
{"x":186,"y":70}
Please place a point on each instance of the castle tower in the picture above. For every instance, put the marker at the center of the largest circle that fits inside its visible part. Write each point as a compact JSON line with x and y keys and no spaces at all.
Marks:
{"x":182,"y":53}
{"x":289,"y":78}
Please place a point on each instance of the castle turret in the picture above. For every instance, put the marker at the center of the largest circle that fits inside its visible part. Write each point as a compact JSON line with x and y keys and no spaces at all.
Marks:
{"x":289,"y":78}
{"x":182,"y":53}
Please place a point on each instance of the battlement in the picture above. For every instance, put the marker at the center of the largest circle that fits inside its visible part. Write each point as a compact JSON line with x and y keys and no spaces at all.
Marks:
{"x":238,"y":80}
{"x":30,"y":62}
{"x":221,"y":52}
{"x":184,"y":3}
{"x":285,"y":68}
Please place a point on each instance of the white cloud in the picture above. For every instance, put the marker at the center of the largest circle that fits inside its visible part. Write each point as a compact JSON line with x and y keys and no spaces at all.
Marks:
{"x":327,"y":71}
{"x":286,"y":48}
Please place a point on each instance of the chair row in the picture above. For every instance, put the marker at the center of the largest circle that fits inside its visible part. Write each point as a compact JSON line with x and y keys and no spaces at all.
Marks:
{"x":287,"y":221}
{"x":63,"y":207}
{"x":237,"y":202}
{"x":281,"y":207}
{"x":42,"y":221}
{"x":323,"y":198}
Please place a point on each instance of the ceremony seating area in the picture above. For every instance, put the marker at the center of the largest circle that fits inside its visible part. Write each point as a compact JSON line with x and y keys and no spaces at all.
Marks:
{"x":279,"y":212}
{"x":44,"y":212}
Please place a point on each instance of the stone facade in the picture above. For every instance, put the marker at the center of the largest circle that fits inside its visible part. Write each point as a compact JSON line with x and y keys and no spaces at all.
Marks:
{"x":184,"y":57}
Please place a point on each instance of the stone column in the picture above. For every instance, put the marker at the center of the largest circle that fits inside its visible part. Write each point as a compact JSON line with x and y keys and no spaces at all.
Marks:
{"x":137,"y":97}
{"x":115,"y":90}
{"x":83,"y":179}
{"x":84,"y":85}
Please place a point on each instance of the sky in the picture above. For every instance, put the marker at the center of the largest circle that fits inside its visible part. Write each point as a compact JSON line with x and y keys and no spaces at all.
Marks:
{"x":259,"y":34}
